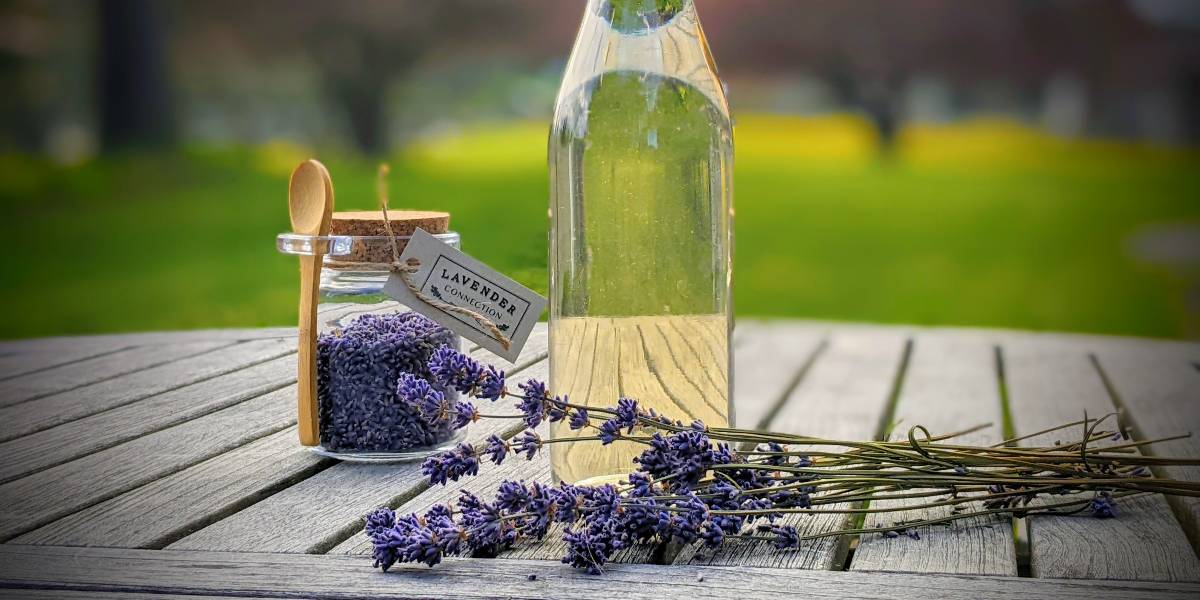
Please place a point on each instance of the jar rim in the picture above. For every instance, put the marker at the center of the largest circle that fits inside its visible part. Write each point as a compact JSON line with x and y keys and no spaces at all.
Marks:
{"x":343,"y":245}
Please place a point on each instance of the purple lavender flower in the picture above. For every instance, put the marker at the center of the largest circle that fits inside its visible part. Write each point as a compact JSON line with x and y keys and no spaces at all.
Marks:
{"x":454,"y":369}
{"x":556,"y":409}
{"x":512,"y":496}
{"x":686,"y":525}
{"x":609,"y":431}
{"x":785,"y":536}
{"x":642,"y":484}
{"x":541,"y":507}
{"x":431,"y":404}
{"x":379,"y":519}
{"x":533,"y":402}
{"x":491,"y":384}
{"x":497,"y":449}
{"x":568,"y":502}
{"x":589,"y":548}
{"x":627,"y":412}
{"x":776,"y":458}
{"x":686,"y":456}
{"x":465,"y":413}
{"x":528,"y":443}
{"x":1103,"y":506}
{"x":579,"y":419}
{"x":451,"y":465}
{"x":458,"y":371}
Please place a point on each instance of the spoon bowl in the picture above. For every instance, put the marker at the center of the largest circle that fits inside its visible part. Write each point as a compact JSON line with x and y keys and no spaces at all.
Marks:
{"x":310,"y":198}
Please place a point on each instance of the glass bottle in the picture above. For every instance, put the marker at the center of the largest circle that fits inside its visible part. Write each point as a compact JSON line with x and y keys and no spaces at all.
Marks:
{"x":641,"y":186}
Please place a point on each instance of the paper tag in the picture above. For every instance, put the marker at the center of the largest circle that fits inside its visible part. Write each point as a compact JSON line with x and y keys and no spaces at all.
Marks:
{"x":452,"y":277}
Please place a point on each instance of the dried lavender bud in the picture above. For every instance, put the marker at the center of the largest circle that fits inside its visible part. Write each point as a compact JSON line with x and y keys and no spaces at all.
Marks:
{"x":627,"y":412}
{"x":776,"y":458}
{"x":556,"y":409}
{"x":528,"y":443}
{"x":785,"y":536}
{"x":496,"y":449}
{"x":1103,"y":506}
{"x":451,"y":465}
{"x":686,"y":455}
{"x":358,"y":371}
{"x":533,"y":402}
{"x":579,"y":419}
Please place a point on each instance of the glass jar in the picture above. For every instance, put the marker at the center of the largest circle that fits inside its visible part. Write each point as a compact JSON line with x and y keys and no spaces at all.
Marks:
{"x":365,"y":341}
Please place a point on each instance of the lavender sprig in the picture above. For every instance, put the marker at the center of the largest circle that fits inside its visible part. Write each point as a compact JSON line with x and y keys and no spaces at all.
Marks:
{"x":689,"y":485}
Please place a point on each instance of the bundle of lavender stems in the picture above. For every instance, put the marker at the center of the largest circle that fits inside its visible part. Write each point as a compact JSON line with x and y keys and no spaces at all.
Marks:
{"x":707,"y":485}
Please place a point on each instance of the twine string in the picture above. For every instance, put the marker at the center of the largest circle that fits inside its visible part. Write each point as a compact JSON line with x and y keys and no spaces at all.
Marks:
{"x":405,"y":270}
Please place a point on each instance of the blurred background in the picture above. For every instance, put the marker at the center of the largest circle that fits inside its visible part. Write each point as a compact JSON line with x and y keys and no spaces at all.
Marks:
{"x":1027,"y":164}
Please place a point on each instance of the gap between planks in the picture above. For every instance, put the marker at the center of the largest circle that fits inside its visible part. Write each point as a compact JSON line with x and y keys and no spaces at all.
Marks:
{"x":1051,"y":383}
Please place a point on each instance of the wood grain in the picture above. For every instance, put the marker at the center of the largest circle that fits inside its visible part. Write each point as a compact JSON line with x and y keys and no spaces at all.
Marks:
{"x":23,"y":593}
{"x":1050,"y":384}
{"x":12,"y":365}
{"x":54,"y":493}
{"x":1160,"y":390}
{"x":77,"y":374}
{"x":126,"y":340}
{"x":68,"y":441}
{"x":329,"y":576}
{"x":844,"y":395}
{"x":44,"y":413}
{"x":322,"y":511}
{"x":169,"y":508}
{"x":952,"y":383}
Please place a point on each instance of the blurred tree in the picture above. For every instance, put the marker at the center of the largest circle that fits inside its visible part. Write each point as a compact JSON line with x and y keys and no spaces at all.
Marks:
{"x":361,"y":48}
{"x":134,"y":87}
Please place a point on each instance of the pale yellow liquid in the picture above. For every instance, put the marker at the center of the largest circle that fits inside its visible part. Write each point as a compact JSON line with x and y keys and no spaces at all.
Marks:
{"x":677,"y":365}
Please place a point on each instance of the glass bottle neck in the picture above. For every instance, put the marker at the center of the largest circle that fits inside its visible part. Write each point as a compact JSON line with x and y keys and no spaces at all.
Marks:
{"x":638,"y":15}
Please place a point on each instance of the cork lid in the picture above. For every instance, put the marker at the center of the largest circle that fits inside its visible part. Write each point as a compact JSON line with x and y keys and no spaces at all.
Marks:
{"x":371,"y":243}
{"x":404,"y":222}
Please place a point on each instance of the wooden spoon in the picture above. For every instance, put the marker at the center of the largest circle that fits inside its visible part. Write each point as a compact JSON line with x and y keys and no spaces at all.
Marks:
{"x":310,"y":206}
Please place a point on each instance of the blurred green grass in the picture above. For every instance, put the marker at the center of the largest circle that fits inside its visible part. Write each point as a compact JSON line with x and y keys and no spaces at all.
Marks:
{"x":983,"y":223}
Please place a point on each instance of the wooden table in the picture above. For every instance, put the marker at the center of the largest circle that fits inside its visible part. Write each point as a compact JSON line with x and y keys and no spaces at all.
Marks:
{"x":167,"y":465}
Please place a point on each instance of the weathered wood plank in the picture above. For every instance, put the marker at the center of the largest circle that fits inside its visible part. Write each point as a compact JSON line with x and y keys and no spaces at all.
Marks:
{"x":952,"y":383}
{"x":1054,"y":383}
{"x":68,"y":441}
{"x":49,"y":411}
{"x":126,"y":340}
{"x":326,"y":509}
{"x":167,"y":509}
{"x":13,"y":365}
{"x":23,"y":593}
{"x":54,"y":493}
{"x":78,"y":374}
{"x":1161,"y":392}
{"x":329,"y":576}
{"x":768,"y":360}
{"x":844,"y":395}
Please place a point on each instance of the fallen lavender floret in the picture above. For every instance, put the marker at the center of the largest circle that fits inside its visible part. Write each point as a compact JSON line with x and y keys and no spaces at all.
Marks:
{"x":689,"y":485}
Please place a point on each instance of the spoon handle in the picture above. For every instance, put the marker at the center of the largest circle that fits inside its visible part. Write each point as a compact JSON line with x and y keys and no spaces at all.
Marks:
{"x":310,"y":278}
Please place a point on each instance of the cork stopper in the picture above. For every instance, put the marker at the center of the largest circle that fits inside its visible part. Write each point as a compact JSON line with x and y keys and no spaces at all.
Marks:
{"x":404,"y":222}
{"x":369,"y":223}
